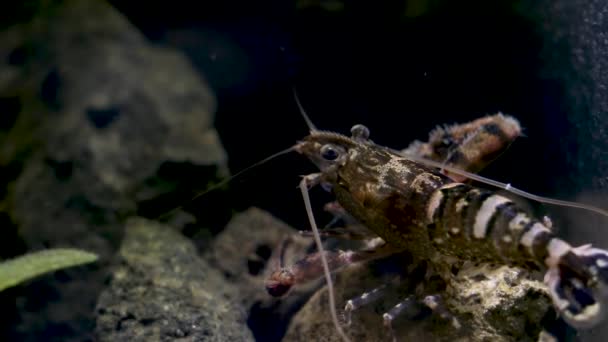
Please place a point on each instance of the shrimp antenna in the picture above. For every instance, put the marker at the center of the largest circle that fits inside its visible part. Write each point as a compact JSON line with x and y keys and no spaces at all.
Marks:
{"x":326,"y":271}
{"x":309,"y":123}
{"x":229,"y":179}
{"x":506,"y":186}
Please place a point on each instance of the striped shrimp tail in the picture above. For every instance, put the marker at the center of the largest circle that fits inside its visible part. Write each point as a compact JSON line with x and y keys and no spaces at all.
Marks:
{"x":578,"y":282}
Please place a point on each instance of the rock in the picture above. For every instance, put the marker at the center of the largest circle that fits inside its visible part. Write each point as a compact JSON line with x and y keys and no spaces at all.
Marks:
{"x":502,"y":303}
{"x":96,"y":122}
{"x":162,"y":291}
{"x":246,"y":252}
{"x":491,"y":304}
{"x":575,"y":55}
{"x":575,"y":61}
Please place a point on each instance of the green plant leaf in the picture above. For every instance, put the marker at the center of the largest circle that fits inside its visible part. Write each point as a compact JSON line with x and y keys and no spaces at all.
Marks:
{"x":27,"y":266}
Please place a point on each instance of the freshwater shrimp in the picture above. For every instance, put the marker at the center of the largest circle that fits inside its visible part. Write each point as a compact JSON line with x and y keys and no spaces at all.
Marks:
{"x":418,"y":200}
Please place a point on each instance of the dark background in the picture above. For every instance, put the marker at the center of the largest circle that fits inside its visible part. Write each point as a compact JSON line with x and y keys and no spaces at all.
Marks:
{"x":399,"y":67}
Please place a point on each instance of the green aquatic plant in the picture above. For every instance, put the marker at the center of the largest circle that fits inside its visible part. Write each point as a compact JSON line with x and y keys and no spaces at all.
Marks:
{"x":25,"y":267}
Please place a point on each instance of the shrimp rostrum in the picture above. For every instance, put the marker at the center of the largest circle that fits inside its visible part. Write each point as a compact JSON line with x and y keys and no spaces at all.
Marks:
{"x":437,"y":215}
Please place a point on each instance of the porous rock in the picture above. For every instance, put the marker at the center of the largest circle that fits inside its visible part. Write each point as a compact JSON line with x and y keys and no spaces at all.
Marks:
{"x":246,"y":252}
{"x":91,"y":111}
{"x":575,"y":55}
{"x":491,"y":304}
{"x":162,"y":290}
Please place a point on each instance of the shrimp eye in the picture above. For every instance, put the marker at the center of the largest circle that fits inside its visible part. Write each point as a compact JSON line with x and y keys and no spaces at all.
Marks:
{"x":329,"y":152}
{"x":360,"y":132}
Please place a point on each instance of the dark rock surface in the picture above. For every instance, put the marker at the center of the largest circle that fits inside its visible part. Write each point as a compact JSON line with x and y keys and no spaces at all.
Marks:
{"x":504,"y":306}
{"x":575,"y":52}
{"x":93,"y":118}
{"x":162,"y":291}
{"x":246,"y":251}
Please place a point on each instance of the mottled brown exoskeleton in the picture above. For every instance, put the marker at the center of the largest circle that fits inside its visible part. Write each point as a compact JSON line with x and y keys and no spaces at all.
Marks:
{"x":404,"y":205}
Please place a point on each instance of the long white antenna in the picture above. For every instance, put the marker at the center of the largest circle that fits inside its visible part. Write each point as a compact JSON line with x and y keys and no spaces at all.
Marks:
{"x":229,"y":179}
{"x":505,"y":186}
{"x":330,"y":285}
{"x":309,"y":123}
